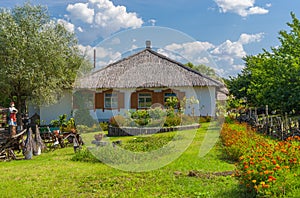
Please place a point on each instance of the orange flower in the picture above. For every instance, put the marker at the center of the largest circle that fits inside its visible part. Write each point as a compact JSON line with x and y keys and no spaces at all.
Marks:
{"x":265,"y":186}
{"x":266,"y":172}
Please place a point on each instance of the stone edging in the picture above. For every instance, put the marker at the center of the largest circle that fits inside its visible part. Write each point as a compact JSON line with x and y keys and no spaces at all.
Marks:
{"x":133,"y":131}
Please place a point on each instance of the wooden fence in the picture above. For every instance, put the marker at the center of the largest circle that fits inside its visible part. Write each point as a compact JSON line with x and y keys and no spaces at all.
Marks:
{"x":277,"y":126}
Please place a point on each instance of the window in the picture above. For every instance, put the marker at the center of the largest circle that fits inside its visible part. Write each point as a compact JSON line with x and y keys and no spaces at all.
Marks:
{"x":169,"y":95}
{"x":145,"y":100}
{"x":111,"y":100}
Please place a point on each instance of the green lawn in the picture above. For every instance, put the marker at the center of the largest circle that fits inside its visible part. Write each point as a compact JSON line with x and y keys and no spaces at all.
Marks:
{"x":54,"y":174}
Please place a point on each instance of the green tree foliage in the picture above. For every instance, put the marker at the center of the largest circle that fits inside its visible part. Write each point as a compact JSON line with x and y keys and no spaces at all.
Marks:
{"x":203,"y":69}
{"x":273,"y":78}
{"x":38,"y":57}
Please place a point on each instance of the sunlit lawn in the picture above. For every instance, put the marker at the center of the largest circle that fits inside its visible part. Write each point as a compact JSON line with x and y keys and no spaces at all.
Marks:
{"x":54,"y":174}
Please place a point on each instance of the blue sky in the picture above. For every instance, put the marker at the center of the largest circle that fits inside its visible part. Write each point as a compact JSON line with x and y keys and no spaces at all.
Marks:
{"x":217,"y":33}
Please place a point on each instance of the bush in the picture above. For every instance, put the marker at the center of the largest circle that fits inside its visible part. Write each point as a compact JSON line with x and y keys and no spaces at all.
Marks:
{"x":84,"y":129}
{"x":140,"y":117}
{"x":104,"y":126}
{"x":157,"y":113}
{"x":117,"y":121}
{"x":84,"y":155}
{"x":229,"y":120}
{"x":172,"y":121}
{"x":187,"y":120}
{"x":204,"y":119}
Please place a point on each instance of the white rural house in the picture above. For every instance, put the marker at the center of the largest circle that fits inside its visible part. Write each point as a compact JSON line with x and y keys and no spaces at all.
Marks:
{"x":140,"y":81}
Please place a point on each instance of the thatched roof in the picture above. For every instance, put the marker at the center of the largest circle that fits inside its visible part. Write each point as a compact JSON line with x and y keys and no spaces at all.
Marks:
{"x":145,"y":69}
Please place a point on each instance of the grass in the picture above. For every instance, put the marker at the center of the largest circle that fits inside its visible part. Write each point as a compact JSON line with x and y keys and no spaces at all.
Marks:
{"x":54,"y":174}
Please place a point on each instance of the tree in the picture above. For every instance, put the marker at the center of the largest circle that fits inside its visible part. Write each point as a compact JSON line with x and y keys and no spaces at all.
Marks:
{"x":38,"y":57}
{"x":203,"y":69}
{"x":273,"y":78}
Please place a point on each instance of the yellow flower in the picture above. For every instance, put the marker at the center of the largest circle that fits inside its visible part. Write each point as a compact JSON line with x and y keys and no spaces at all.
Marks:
{"x":253,"y":181}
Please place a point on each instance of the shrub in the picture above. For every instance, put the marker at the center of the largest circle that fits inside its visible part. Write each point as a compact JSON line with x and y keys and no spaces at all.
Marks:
{"x":140,"y":117}
{"x":204,"y":119}
{"x":229,"y":120}
{"x":84,"y":155}
{"x":84,"y":128}
{"x":172,"y":121}
{"x":103,"y":126}
{"x":157,"y":113}
{"x":117,"y":121}
{"x":186,"y":119}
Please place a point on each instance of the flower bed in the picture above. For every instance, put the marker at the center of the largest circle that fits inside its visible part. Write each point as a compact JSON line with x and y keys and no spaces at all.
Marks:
{"x":133,"y":131}
{"x":264,"y":166}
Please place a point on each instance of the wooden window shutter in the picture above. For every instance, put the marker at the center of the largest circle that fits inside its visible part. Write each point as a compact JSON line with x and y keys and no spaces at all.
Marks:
{"x":99,"y":101}
{"x":134,"y":101}
{"x":158,"y":97}
{"x":121,"y":101}
{"x":181,"y":95}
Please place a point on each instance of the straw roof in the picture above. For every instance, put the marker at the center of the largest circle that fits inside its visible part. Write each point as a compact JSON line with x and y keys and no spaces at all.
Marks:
{"x":146,"y":69}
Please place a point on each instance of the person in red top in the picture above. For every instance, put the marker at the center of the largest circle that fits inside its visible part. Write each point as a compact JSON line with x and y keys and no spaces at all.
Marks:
{"x":12,"y":118}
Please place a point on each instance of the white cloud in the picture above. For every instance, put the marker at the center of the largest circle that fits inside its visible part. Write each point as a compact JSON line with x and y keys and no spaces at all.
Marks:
{"x":238,"y":67}
{"x":202,"y":60}
{"x":171,"y":54}
{"x":81,"y":12}
{"x":229,"y":54}
{"x":229,"y":49}
{"x":101,"y":18}
{"x":268,"y":5}
{"x":133,"y":47}
{"x":80,"y":29}
{"x":103,"y":56}
{"x":152,"y":22}
{"x":190,"y":47}
{"x":240,"y":7}
{"x":249,"y":38}
{"x":257,"y":10}
{"x":69,"y":26}
{"x":195,"y":52}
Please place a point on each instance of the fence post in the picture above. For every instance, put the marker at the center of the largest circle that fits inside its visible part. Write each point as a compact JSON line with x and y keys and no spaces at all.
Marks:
{"x":267,"y":120}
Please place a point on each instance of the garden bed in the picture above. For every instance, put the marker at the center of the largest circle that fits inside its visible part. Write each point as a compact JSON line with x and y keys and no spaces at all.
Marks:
{"x":133,"y":131}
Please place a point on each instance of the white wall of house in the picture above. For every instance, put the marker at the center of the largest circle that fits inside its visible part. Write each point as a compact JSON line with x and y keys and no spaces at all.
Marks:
{"x":205,"y":95}
{"x":51,"y":112}
{"x":32,"y":109}
{"x":206,"y":98}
